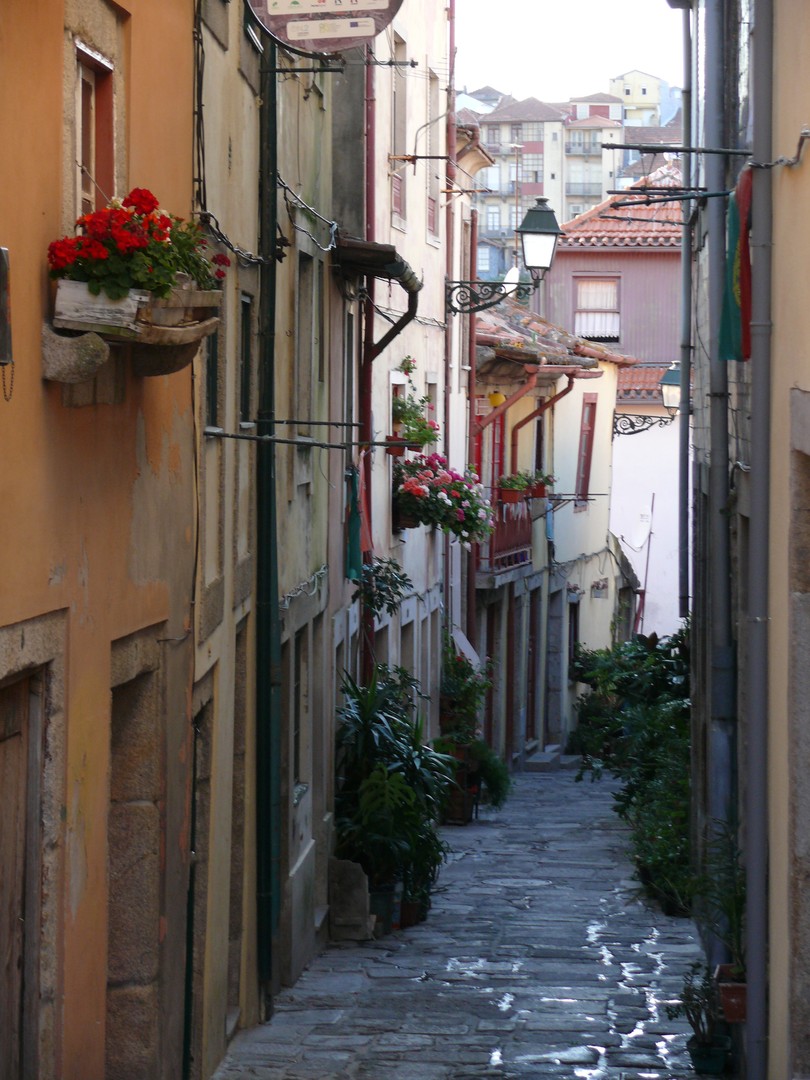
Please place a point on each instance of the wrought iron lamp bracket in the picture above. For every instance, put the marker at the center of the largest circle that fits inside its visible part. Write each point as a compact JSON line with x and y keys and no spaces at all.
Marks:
{"x":634,"y":423}
{"x":467,"y":297}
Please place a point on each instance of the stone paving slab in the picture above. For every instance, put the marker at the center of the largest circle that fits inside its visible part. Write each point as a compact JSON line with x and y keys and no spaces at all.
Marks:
{"x":539,"y":959}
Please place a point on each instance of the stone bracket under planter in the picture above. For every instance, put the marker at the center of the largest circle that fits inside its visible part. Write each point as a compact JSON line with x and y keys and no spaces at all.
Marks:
{"x":72,"y":359}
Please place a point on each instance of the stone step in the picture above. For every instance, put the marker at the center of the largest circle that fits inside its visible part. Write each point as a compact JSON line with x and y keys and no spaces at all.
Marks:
{"x":551,"y":759}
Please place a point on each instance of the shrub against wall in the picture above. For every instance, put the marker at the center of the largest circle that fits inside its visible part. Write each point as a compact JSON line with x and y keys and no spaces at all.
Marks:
{"x":634,"y":723}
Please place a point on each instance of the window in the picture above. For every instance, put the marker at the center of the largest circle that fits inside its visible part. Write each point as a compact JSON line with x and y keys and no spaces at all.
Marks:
{"x":433,"y":149}
{"x":627,"y":91}
{"x":585,"y":452}
{"x":305,"y":336}
{"x":493,"y":218}
{"x":516,"y":132}
{"x":597,"y":315}
{"x":212,"y":381}
{"x":95,"y":143}
{"x":399,"y":128}
{"x":493,"y":133}
{"x":245,"y":359}
{"x":482,"y":258}
{"x":644,"y":91}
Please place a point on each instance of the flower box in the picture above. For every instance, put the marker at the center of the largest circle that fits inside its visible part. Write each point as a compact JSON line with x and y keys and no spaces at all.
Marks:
{"x":164,"y":332}
{"x":511,"y":495}
{"x":186,"y":315}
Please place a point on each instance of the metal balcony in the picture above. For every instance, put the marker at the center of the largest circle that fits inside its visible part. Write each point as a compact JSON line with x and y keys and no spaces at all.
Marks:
{"x":509,"y":548}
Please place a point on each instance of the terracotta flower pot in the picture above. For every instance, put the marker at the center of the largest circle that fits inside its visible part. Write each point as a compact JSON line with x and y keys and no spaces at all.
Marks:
{"x":394,"y":451}
{"x":538,"y":491}
{"x":733,"y":994}
{"x":511,"y":495}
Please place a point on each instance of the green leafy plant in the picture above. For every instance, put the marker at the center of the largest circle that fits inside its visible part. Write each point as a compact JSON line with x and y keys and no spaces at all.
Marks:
{"x":383,"y":586}
{"x":463,"y":688}
{"x":720,"y":900}
{"x":133,"y":244}
{"x":634,"y":722}
{"x":410,"y":413}
{"x":519,"y":481}
{"x":433,"y":494}
{"x":390,"y":783}
{"x":698,"y":1003}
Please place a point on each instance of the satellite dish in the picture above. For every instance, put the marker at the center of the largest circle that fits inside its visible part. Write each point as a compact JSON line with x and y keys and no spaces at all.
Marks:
{"x":324,"y":26}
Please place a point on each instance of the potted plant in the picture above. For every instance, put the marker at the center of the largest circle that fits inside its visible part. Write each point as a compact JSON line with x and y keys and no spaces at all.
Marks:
{"x":539,"y":483}
{"x":428,"y":492}
{"x":513,"y":487}
{"x":133,"y":273}
{"x":412,"y":426}
{"x":382,"y":586}
{"x":720,"y":904}
{"x":698,"y":1003}
{"x":390,"y":788}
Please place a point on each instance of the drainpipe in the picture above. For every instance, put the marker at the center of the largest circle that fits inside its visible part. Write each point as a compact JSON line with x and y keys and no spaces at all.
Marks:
{"x":684,"y":411}
{"x":366,"y":424}
{"x":472,"y":393}
{"x":479,"y":425}
{"x":722,"y":726}
{"x":268,"y":627}
{"x":756,"y":817}
{"x":450,"y":148}
{"x":542,"y":407}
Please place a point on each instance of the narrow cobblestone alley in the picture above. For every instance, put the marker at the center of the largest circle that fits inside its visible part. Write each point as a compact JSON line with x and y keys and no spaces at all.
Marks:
{"x":537,"y":959}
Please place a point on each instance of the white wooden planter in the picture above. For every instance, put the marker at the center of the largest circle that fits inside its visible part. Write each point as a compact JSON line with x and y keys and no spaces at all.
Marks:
{"x":164,"y":333}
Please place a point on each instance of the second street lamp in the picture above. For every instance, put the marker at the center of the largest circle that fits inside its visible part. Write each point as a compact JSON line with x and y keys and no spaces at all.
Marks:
{"x":538,"y":235}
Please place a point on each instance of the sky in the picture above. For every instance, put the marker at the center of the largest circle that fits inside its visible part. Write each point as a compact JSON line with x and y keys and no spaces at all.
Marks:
{"x":557,"y":49}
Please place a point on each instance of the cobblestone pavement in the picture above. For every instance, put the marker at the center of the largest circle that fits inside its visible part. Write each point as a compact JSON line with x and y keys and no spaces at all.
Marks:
{"x":538,"y":959}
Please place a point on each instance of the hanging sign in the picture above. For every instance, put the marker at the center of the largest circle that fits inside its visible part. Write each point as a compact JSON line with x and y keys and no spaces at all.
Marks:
{"x":324,"y":26}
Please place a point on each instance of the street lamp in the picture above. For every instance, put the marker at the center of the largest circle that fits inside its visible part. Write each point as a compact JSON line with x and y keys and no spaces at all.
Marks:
{"x":671,"y":389}
{"x":538,"y":238}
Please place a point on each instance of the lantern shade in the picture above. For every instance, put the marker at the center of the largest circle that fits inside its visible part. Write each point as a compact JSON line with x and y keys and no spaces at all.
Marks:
{"x":538,"y":236}
{"x":671,"y":389}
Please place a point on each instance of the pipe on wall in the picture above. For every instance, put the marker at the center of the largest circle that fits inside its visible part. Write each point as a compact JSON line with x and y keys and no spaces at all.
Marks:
{"x":685,"y":410}
{"x":722,"y":742}
{"x":756,"y":793}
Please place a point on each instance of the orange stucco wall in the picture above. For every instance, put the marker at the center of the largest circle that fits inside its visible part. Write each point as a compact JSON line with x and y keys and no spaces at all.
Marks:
{"x":96,"y":502}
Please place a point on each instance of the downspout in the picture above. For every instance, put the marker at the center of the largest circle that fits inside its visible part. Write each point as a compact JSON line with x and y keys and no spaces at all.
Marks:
{"x":472,"y":393}
{"x":268,"y":627}
{"x":366,"y":425}
{"x":542,"y":407}
{"x":401,"y":272}
{"x":479,"y":425}
{"x":756,"y":805}
{"x":447,"y":578}
{"x":722,"y":724}
{"x":685,"y":411}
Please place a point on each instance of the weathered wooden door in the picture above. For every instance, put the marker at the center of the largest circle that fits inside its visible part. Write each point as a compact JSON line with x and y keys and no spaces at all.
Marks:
{"x":14,"y":736}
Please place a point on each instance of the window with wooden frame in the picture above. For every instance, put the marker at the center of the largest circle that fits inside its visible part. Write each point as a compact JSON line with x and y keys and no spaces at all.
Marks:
{"x":434,"y":167}
{"x":399,"y":132}
{"x":585,"y":452}
{"x":597,"y":315}
{"x":95,"y":136}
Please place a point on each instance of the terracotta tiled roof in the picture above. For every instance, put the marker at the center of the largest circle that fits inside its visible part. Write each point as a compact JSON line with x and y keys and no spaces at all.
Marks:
{"x":640,"y":384}
{"x":528,"y":109}
{"x":511,"y":326}
{"x":593,"y":122}
{"x":608,"y":225}
{"x":598,"y":99}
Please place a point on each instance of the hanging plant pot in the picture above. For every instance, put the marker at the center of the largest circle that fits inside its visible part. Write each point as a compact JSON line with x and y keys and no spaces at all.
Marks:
{"x":395,"y":450}
{"x":537,"y":491}
{"x":403,"y":519}
{"x":511,"y":495}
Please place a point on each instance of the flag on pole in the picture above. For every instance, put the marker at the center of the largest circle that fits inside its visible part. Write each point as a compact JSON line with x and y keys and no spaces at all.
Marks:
{"x":735,"y":323}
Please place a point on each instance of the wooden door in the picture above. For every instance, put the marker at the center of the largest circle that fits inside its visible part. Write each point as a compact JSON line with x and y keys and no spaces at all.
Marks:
{"x":13,"y":814}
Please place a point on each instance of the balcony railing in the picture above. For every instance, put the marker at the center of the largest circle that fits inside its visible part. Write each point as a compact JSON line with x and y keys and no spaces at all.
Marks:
{"x":580,"y":188}
{"x":583,"y":148}
{"x":510,"y":545}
